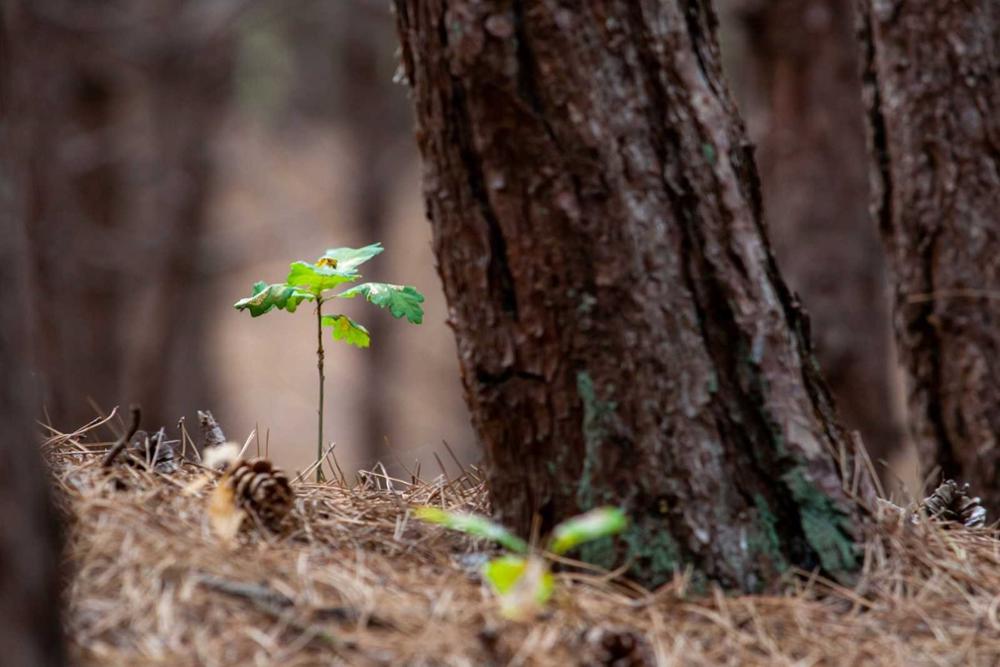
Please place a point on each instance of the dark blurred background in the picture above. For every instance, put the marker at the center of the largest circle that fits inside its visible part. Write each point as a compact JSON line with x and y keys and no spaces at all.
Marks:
{"x":162,"y":155}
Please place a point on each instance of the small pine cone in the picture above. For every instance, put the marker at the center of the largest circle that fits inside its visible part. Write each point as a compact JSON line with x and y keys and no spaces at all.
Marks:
{"x":617,"y":647}
{"x":263,"y":490}
{"x":952,"y":502}
{"x":971,"y":512}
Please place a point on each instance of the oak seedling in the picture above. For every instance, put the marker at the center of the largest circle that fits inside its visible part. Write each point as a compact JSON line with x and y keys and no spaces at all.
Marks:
{"x":315,"y":282}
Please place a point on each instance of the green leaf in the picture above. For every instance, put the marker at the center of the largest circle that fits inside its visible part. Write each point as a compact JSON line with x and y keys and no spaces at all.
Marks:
{"x":347,"y":330}
{"x":596,"y":523}
{"x":348,"y":259}
{"x":523,"y":584}
{"x":473,"y":524}
{"x":399,"y":299}
{"x":503,"y":572}
{"x":319,"y":277}
{"x":266,"y":297}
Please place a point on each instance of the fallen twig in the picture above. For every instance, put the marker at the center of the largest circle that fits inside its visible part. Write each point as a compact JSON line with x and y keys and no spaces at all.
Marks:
{"x":126,"y":437}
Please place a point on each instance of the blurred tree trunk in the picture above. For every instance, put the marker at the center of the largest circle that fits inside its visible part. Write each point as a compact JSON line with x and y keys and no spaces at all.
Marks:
{"x":30,"y":606}
{"x":113,"y":108}
{"x":374,"y":131}
{"x":932,"y":75}
{"x":804,"y":91}
{"x":30,"y":628}
{"x":624,"y":334}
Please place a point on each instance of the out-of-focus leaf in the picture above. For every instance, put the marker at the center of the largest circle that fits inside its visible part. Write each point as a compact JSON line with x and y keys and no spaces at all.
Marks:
{"x":347,"y":330}
{"x":401,"y":300}
{"x":266,"y":297}
{"x":596,"y":523}
{"x":348,"y":259}
{"x":473,"y":524}
{"x":316,"y":278}
{"x":522,"y":584}
{"x":503,"y":572}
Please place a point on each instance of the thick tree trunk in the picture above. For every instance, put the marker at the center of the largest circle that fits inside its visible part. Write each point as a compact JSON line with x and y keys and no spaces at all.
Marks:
{"x":30,"y":628}
{"x":113,"y":109}
{"x":932,"y":73}
{"x":623,"y":332}
{"x":806,"y":113}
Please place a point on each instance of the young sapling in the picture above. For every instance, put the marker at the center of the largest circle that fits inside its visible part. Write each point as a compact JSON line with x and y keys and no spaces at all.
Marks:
{"x":315,"y":282}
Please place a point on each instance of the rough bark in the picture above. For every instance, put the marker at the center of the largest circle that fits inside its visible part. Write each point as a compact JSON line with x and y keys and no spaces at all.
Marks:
{"x":112,"y":109}
{"x":805,"y":113}
{"x":623,"y":332}
{"x":30,"y":628}
{"x":932,"y":75}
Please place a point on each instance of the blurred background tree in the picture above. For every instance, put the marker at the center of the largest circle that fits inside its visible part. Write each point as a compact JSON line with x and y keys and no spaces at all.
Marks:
{"x":797,"y":75}
{"x":168,"y":152}
{"x":932,"y":92}
{"x":113,"y":108}
{"x":30,"y":624}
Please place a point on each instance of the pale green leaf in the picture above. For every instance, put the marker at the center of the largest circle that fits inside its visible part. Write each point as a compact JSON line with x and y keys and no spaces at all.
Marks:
{"x":348,"y":259}
{"x":503,"y":572}
{"x":401,"y":300}
{"x":473,"y":524}
{"x":596,"y":523}
{"x":523,"y":585}
{"x":347,"y":330}
{"x":319,"y":277}
{"x":266,"y":297}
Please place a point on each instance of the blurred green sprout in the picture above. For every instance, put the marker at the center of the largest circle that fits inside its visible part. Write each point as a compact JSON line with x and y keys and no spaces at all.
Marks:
{"x":522,"y":579}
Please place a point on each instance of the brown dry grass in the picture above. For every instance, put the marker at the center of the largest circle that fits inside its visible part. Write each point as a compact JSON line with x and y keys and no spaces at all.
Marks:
{"x":359,"y":583}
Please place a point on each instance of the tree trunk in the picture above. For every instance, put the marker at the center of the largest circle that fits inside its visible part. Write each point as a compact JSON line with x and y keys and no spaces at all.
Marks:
{"x":113,"y":109}
{"x":804,"y":93}
{"x":30,"y":630}
{"x":623,"y":332}
{"x":375,"y":130}
{"x":932,"y":74}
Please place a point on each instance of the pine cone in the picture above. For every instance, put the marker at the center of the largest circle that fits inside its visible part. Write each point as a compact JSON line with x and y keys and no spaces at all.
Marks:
{"x":262,"y":490}
{"x":952,"y":502}
{"x":617,"y":647}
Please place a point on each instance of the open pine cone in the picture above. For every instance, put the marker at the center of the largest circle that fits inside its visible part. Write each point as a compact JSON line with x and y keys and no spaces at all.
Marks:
{"x":261,"y":489}
{"x":952,"y":502}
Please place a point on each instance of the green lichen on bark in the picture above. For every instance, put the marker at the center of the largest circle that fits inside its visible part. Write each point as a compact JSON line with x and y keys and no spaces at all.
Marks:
{"x":824,"y":524}
{"x":596,"y":413}
{"x":601,"y":553}
{"x":654,"y":553}
{"x":766,"y":541}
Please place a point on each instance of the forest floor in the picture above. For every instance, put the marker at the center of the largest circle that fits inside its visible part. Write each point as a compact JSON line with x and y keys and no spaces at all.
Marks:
{"x":356,"y":581}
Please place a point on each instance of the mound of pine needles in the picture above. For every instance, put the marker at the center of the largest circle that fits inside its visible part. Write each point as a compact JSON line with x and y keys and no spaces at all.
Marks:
{"x":355,"y":581}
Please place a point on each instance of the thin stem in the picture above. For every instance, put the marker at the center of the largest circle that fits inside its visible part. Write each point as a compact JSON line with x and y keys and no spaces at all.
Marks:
{"x":319,"y":365}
